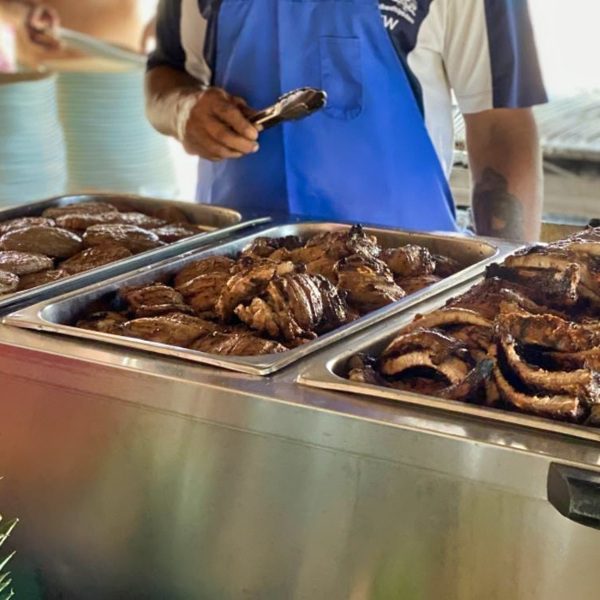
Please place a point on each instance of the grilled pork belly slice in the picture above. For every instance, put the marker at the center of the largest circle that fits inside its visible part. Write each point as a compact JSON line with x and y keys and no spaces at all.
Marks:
{"x":206,"y":266}
{"x":104,"y":322}
{"x":34,"y":280}
{"x":453,"y":369}
{"x":237,"y":344}
{"x":203,"y":291}
{"x":335,"y":309}
{"x":154,"y":300}
{"x":176,"y":329}
{"x":23,"y":263}
{"x":133,"y":238}
{"x":415,"y":284}
{"x":94,"y":257}
{"x":470,"y":387}
{"x":9,"y":282}
{"x":265,"y":247}
{"x":79,"y":222}
{"x":449,"y":317}
{"x":250,"y":280}
{"x":438,"y":346}
{"x":39,"y":239}
{"x":79,"y":207}
{"x":409,"y":261}
{"x":24,"y":222}
{"x":368,"y":282}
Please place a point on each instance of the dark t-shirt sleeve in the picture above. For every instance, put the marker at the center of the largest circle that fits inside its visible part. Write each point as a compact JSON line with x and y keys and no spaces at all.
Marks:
{"x":169,"y":49}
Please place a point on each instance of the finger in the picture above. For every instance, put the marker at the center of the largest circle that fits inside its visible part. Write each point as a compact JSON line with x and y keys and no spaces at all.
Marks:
{"x":226,"y":136}
{"x":232,"y":116}
{"x":210,"y":148}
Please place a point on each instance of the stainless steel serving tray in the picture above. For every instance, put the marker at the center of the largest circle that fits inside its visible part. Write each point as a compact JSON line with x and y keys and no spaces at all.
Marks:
{"x":328,"y":373}
{"x":219,"y":222}
{"x":57,"y":315}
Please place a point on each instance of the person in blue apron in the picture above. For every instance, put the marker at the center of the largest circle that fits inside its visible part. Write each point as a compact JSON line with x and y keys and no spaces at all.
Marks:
{"x":381,"y":151}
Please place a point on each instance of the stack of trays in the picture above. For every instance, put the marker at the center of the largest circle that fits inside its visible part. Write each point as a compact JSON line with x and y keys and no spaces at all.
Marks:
{"x":32,"y":148}
{"x":111,"y":146}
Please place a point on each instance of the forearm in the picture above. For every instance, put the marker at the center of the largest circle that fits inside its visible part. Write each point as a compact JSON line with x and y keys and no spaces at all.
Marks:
{"x":507,"y":177}
{"x":167,"y":98}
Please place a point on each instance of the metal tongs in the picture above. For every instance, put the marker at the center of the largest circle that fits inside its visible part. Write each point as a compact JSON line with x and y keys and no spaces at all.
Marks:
{"x":292,"y":106}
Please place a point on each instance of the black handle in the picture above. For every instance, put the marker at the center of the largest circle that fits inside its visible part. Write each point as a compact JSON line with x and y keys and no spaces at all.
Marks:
{"x":575,"y":493}
{"x":594,"y":223}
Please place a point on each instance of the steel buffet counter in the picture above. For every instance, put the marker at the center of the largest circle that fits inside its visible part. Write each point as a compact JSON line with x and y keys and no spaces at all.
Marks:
{"x":136,"y":476}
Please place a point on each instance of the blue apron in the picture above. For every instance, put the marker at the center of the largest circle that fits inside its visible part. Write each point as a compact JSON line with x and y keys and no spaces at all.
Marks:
{"x":366,"y":158}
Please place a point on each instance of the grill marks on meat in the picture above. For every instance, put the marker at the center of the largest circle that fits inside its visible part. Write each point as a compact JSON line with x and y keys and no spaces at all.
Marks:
{"x":368,"y":282}
{"x":207,"y":266}
{"x":237,"y":344}
{"x":409,"y":261}
{"x":94,"y":257}
{"x":154,"y":300}
{"x":9,"y":282}
{"x":131,"y":237}
{"x":530,"y":330}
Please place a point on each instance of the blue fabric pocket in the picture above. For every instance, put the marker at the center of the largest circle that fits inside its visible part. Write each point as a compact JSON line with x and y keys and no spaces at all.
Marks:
{"x":341,"y":72}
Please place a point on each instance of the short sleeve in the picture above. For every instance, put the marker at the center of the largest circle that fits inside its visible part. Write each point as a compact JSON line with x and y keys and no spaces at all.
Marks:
{"x":490,"y":55}
{"x":169,"y":48}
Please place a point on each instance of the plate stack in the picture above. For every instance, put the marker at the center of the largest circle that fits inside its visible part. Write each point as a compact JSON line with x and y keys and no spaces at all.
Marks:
{"x":32,"y":147}
{"x":110,"y":144}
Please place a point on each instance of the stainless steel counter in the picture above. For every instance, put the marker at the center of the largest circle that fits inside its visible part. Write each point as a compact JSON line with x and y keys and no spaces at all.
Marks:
{"x":144,"y":477}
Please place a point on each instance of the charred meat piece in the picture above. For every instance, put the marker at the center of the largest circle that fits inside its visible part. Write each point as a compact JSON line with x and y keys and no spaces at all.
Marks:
{"x":140,"y":220}
{"x":133,"y":238}
{"x":104,"y":322}
{"x":250,"y":280}
{"x":34,"y":280}
{"x":471,"y":386}
{"x":173,"y":233}
{"x":94,"y":257}
{"x":176,"y":329}
{"x":264,"y":247}
{"x":24,"y":222}
{"x":453,"y":369}
{"x":79,"y":207}
{"x":409,"y":261}
{"x":206,"y":266}
{"x":237,"y":344}
{"x":446,"y":266}
{"x":51,"y":241}
{"x":335,"y":309}
{"x":548,"y":331}
{"x":449,"y":317}
{"x":292,"y":307}
{"x":79,"y":222}
{"x":153,"y":300}
{"x":23,"y":263}
{"x":415,"y":284}
{"x":368,"y":282}
{"x":478,"y":340}
{"x":586,"y":359}
{"x":362,"y":369}
{"x":556,"y":406}
{"x":9,"y":282}
{"x":203,"y":291}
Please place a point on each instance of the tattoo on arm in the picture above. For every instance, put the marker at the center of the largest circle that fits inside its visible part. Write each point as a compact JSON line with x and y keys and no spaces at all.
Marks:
{"x":496,"y":211}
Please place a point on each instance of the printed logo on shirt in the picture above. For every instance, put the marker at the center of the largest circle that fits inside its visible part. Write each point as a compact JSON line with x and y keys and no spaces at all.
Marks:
{"x":398,"y":9}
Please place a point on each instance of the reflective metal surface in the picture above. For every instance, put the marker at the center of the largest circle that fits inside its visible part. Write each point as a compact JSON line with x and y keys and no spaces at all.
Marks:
{"x":330,"y":374}
{"x":219,"y":223}
{"x":145,"y":477}
{"x":57,"y":316}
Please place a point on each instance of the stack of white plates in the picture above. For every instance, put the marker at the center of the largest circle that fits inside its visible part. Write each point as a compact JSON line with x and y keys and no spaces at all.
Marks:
{"x":32,"y":148}
{"x":110,"y":144}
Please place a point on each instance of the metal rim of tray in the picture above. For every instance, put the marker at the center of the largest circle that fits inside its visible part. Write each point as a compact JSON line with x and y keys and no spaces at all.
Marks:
{"x":324,"y":374}
{"x":202,"y":239}
{"x":34,"y":316}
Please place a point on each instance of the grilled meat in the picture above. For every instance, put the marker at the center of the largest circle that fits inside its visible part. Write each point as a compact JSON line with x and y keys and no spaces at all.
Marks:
{"x":368,"y":282}
{"x":470,"y":387}
{"x":24,"y":222}
{"x":133,"y":238}
{"x":153,"y":300}
{"x":446,"y":266}
{"x":23,"y":263}
{"x":104,"y":322}
{"x":335,"y":309}
{"x":265,"y":247}
{"x":79,"y":222}
{"x":176,"y":329}
{"x":236,"y":344}
{"x":206,"y":266}
{"x":173,"y":233}
{"x":140,"y":220}
{"x":362,"y":369}
{"x":34,"y":280}
{"x":9,"y":282}
{"x":409,"y":261}
{"x":203,"y":291}
{"x":415,"y":284}
{"x":79,"y":207}
{"x":94,"y":257}
{"x":51,"y":241}
{"x":449,"y":317}
{"x":171,"y":214}
{"x":249,"y":281}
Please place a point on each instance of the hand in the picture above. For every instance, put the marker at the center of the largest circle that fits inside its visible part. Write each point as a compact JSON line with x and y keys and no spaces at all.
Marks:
{"x":42,"y":26}
{"x":215,"y":126}
{"x":148,"y":35}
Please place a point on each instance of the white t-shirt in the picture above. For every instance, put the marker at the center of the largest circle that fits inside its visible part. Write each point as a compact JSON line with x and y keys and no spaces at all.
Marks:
{"x":481,"y":51}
